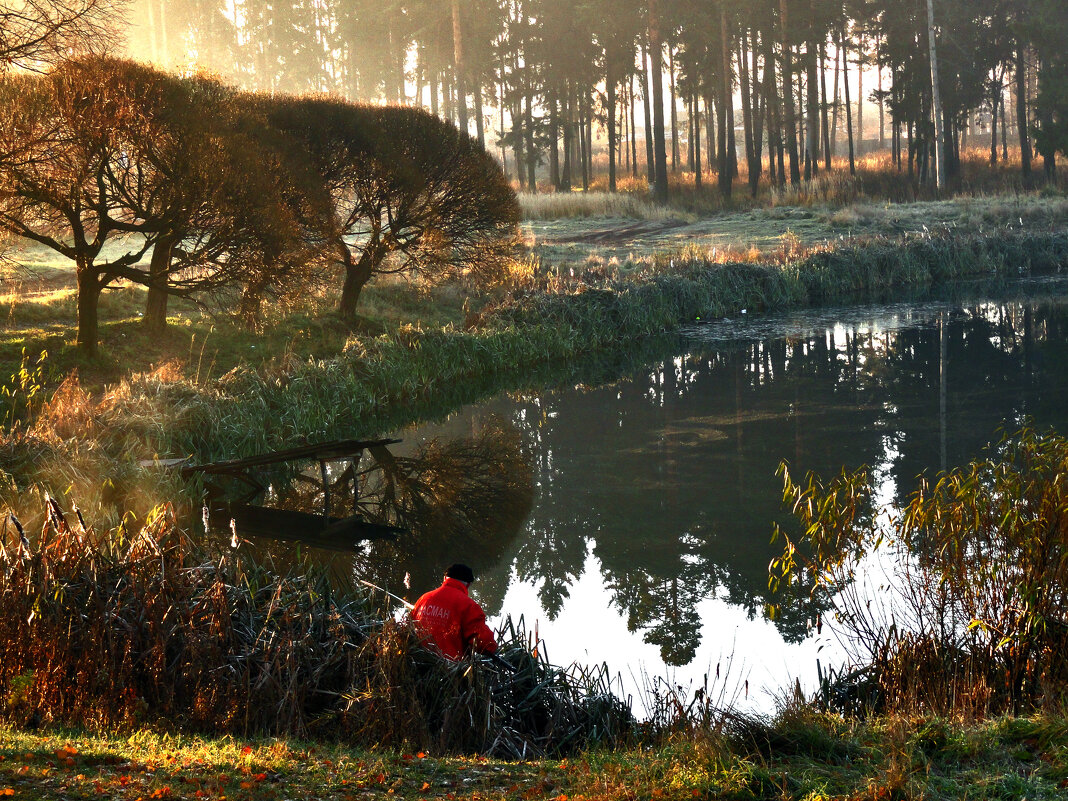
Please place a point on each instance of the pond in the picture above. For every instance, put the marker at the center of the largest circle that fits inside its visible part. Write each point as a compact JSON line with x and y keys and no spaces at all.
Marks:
{"x":643,"y":538}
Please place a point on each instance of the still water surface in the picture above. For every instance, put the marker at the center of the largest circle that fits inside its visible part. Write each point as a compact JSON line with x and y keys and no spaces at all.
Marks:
{"x":635,"y":528}
{"x":648,"y":539}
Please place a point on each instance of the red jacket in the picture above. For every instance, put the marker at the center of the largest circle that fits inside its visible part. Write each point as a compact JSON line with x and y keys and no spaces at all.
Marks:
{"x":454,"y":622}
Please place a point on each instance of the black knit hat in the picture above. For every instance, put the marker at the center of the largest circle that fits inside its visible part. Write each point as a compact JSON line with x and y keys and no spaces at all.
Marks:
{"x":460,"y":572}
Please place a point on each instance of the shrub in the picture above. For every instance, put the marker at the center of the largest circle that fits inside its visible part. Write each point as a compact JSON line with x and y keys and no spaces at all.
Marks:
{"x":974,"y":617}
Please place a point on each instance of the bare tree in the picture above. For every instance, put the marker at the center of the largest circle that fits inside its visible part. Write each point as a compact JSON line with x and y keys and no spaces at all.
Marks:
{"x":35,"y":34}
{"x":107,"y":152}
{"x":410,"y":192}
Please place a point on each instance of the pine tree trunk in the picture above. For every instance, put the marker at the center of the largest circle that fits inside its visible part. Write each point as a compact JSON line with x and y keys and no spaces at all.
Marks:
{"x":787,"y":96}
{"x":610,"y":91}
{"x":650,"y":162}
{"x":583,"y":144}
{"x":1021,"y":114}
{"x":434,"y":77}
{"x":825,"y":126}
{"x":674,"y":112}
{"x":860,"y":101}
{"x":531,"y":153}
{"x":882,"y":101}
{"x":758,"y":106}
{"x":729,"y":164}
{"x":1004,"y":131}
{"x":772,"y":109}
{"x":517,"y":145}
{"x":711,"y":118}
{"x":633,"y":133}
{"x":848,"y":105}
{"x":696,"y":106}
{"x":459,"y":66}
{"x":752,"y":160}
{"x":656,"y":55}
{"x":589,"y":138}
{"x":689,"y":133}
{"x":936,"y":103}
{"x":837,"y":102}
{"x":812,"y":136}
{"x":569,"y":132}
{"x":554,"y":139}
{"x":995,"y":99}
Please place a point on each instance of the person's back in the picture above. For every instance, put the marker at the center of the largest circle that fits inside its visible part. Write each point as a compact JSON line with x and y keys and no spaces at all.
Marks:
{"x":450,"y":619}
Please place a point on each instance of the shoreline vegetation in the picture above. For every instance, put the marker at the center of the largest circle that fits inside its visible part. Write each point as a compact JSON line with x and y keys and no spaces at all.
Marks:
{"x":548,"y":327}
{"x":189,"y":662}
{"x":140,"y":664}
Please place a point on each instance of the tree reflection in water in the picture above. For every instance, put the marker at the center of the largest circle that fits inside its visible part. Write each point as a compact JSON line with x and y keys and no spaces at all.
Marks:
{"x":668,"y":477}
{"x":464,"y":499}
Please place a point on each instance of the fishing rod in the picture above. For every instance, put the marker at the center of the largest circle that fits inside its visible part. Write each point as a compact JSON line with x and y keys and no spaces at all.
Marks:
{"x":383,"y":590}
{"x":491,"y":657}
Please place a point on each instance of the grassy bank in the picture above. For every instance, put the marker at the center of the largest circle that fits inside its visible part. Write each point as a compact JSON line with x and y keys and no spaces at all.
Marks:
{"x":375,"y":385}
{"x":801,"y":757}
{"x":542,"y":331}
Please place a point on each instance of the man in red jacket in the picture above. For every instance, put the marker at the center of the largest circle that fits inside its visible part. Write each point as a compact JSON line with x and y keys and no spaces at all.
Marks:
{"x":451,"y":620}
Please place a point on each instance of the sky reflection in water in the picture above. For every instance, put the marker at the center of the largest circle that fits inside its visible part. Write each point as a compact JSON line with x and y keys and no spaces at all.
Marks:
{"x":648,"y":541}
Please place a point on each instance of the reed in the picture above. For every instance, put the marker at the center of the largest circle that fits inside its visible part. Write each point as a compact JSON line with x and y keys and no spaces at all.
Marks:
{"x":973,"y":618}
{"x":138,"y":626}
{"x":557,"y":205}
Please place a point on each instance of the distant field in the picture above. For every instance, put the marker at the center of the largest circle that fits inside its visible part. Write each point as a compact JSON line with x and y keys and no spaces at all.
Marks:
{"x":581,"y":228}
{"x":581,"y":240}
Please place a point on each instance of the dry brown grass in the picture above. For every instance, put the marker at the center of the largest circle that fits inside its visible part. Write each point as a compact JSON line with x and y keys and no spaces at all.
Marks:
{"x":115,"y":629}
{"x":555,"y":205}
{"x":877,"y":180}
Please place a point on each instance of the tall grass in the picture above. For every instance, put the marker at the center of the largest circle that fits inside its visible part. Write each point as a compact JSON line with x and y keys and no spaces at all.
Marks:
{"x":877,"y":179}
{"x":137,"y":626}
{"x":557,"y":205}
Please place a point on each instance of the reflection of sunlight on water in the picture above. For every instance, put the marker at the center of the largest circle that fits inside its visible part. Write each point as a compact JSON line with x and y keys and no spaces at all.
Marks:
{"x":589,"y":630}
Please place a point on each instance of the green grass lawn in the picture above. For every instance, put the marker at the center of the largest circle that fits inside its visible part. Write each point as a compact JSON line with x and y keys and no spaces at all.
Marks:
{"x":808,"y":757}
